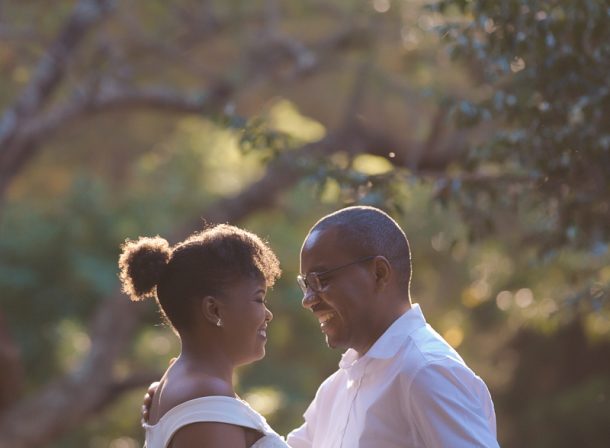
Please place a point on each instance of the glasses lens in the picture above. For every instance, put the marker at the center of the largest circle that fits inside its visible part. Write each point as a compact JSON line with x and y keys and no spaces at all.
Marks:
{"x":313,"y":281}
{"x":302,"y":283}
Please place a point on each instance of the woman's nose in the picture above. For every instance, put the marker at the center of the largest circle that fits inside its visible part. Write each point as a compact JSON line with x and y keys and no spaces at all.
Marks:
{"x":269,"y":315}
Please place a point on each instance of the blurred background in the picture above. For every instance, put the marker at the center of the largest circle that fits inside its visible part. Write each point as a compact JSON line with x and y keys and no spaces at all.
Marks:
{"x":482,"y":127}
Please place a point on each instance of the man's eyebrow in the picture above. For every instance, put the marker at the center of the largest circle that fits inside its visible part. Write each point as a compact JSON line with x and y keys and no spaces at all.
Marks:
{"x":318,"y":268}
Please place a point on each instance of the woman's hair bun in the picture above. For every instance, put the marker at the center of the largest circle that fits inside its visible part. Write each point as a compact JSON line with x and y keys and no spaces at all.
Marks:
{"x":141,"y":265}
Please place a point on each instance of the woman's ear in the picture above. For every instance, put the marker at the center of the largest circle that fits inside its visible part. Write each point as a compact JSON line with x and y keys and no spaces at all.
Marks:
{"x":383,"y":271}
{"x":210,"y":308}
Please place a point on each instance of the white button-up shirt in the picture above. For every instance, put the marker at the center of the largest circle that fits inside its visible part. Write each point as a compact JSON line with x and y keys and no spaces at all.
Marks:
{"x":411,"y":389}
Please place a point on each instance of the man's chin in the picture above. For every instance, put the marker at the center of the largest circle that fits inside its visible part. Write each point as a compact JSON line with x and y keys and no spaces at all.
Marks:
{"x":334,"y":343}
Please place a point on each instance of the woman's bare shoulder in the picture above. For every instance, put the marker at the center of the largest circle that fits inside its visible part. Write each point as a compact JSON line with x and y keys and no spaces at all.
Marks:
{"x":210,"y":434}
{"x":181,"y":387}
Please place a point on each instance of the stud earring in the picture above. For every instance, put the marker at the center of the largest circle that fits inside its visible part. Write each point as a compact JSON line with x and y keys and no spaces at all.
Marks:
{"x":219,"y":322}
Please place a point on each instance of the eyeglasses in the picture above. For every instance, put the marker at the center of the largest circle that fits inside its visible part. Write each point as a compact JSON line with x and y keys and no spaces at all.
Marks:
{"x":313,"y":280}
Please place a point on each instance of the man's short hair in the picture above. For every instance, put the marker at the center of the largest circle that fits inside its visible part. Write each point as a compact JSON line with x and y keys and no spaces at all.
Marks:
{"x":370,"y":231}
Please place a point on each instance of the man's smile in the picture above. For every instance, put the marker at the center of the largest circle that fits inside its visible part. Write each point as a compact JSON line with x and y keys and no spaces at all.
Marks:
{"x":324,"y":317}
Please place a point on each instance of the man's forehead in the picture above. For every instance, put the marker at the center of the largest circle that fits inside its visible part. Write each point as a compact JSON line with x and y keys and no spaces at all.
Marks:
{"x":327,"y":246}
{"x":311,"y":240}
{"x":318,"y":251}
{"x":320,"y":238}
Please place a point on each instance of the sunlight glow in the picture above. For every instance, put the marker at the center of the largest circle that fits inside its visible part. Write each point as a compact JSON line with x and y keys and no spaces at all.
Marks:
{"x":524,"y":297}
{"x":381,"y":5}
{"x":439,"y":242}
{"x":372,"y":165}
{"x":597,"y":325}
{"x":517,"y":65}
{"x":160,"y":344}
{"x":73,"y":344}
{"x":504,"y":299}
{"x":476,"y":293}
{"x":409,"y":38}
{"x":454,"y":336}
{"x":265,"y":400}
{"x":285,"y":117}
{"x":331,"y":192}
{"x":123,"y":442}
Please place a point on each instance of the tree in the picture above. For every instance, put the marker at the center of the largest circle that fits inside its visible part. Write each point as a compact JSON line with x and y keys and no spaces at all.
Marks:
{"x":540,"y":69}
{"x":111,"y":110}
{"x":104,"y":60}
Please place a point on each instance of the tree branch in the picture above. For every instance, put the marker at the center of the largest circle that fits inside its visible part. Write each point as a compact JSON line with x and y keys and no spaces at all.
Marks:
{"x":50,"y":69}
{"x":15,"y":149}
{"x":21,"y":131}
{"x":25,"y":144}
{"x":205,"y":102}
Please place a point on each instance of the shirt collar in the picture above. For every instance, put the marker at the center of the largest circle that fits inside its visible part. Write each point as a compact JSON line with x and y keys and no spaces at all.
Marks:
{"x":391,"y":340}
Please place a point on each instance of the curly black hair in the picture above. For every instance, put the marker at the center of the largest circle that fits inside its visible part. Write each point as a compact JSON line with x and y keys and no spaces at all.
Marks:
{"x":201,"y":265}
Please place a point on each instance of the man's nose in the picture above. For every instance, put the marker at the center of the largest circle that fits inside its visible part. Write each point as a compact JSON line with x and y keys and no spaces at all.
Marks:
{"x":309,"y":299}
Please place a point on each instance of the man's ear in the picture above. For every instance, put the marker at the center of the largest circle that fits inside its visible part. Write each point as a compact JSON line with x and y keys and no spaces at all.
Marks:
{"x":383,"y":271}
{"x":210,"y":308}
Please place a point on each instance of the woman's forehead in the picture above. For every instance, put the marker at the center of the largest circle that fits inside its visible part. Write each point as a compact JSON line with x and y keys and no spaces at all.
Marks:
{"x":247,"y":283}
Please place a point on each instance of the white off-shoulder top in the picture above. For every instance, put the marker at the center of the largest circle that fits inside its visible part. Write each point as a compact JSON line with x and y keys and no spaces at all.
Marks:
{"x":211,"y":409}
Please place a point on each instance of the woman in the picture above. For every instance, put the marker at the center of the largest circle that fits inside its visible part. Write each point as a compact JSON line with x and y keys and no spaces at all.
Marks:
{"x":211,"y":290}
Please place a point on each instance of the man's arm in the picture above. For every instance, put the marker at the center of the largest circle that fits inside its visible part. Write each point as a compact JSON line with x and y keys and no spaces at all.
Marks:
{"x":303,"y":436}
{"x":450,"y":406}
{"x":300,"y":437}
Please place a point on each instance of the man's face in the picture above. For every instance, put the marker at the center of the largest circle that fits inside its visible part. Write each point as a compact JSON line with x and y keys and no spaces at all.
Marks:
{"x":343,"y":306}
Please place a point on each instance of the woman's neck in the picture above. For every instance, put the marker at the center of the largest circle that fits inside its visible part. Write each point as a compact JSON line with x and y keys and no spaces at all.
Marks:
{"x":208,"y":358}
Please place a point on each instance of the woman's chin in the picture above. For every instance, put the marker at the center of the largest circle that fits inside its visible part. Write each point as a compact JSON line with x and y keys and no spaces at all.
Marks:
{"x":255,"y":357}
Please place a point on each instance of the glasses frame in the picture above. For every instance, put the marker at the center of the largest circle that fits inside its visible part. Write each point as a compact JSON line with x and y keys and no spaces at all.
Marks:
{"x":311,"y":279}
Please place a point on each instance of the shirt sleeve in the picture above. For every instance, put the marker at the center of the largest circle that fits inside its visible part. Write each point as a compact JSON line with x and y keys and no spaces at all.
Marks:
{"x":451,"y":407}
{"x":302,"y":437}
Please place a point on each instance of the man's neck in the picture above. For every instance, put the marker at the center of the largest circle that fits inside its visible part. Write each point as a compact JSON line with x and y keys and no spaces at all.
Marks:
{"x":381,"y":326}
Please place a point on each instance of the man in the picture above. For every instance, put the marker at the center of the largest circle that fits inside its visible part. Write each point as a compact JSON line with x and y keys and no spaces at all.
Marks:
{"x":399,"y":384}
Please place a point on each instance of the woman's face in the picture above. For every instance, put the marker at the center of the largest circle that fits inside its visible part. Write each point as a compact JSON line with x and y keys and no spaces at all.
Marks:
{"x":245,"y":317}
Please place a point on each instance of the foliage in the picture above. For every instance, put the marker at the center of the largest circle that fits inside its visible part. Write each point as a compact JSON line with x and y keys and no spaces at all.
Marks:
{"x":540,"y":69}
{"x":355,"y":96}
{"x":540,"y":174}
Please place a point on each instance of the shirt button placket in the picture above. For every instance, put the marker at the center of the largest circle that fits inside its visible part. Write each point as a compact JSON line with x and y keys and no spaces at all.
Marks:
{"x":354,"y":388}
